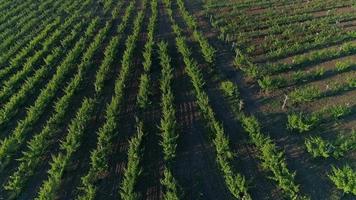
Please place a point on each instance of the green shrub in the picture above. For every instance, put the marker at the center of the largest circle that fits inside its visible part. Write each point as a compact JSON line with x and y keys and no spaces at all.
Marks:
{"x":229,"y":89}
{"x":301,"y":123}
{"x":305,"y":94}
{"x":344,"y":179}
{"x":318,"y":147}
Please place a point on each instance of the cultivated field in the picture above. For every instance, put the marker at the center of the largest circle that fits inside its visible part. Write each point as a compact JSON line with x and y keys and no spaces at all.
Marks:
{"x":178,"y":99}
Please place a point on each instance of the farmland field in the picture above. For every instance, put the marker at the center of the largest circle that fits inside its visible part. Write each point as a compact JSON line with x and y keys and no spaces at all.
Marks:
{"x":178,"y":99}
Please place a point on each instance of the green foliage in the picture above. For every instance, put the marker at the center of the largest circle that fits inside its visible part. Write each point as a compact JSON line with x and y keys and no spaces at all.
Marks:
{"x":11,"y":144}
{"x":171,"y":191}
{"x":168,"y":122}
{"x":168,"y":126}
{"x":10,"y":108}
{"x":267,"y":83}
{"x":305,"y":94}
{"x":315,"y":57}
{"x":232,"y":94}
{"x":345,"y":144}
{"x":344,"y":178}
{"x":229,"y":89}
{"x":229,"y":31}
{"x":350,"y":83}
{"x":69,"y":146}
{"x":301,"y":122}
{"x":111,"y":51}
{"x":133,"y":169}
{"x":305,"y":122}
{"x":336,"y":148}
{"x":17,"y":61}
{"x":302,"y":76}
{"x":128,"y":12}
{"x":207,"y":50}
{"x":272,"y":158}
{"x":143,"y":91}
{"x":235,"y":182}
{"x":338,"y":111}
{"x":144,"y":85}
{"x":135,"y":151}
{"x":244,"y":63}
{"x":318,"y":147}
{"x":98,"y":157}
{"x":342,"y":66}
{"x":190,"y":20}
{"x":147,"y":54}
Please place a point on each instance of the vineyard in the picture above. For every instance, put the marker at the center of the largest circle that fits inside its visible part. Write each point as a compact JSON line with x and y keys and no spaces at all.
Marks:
{"x":177,"y":99}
